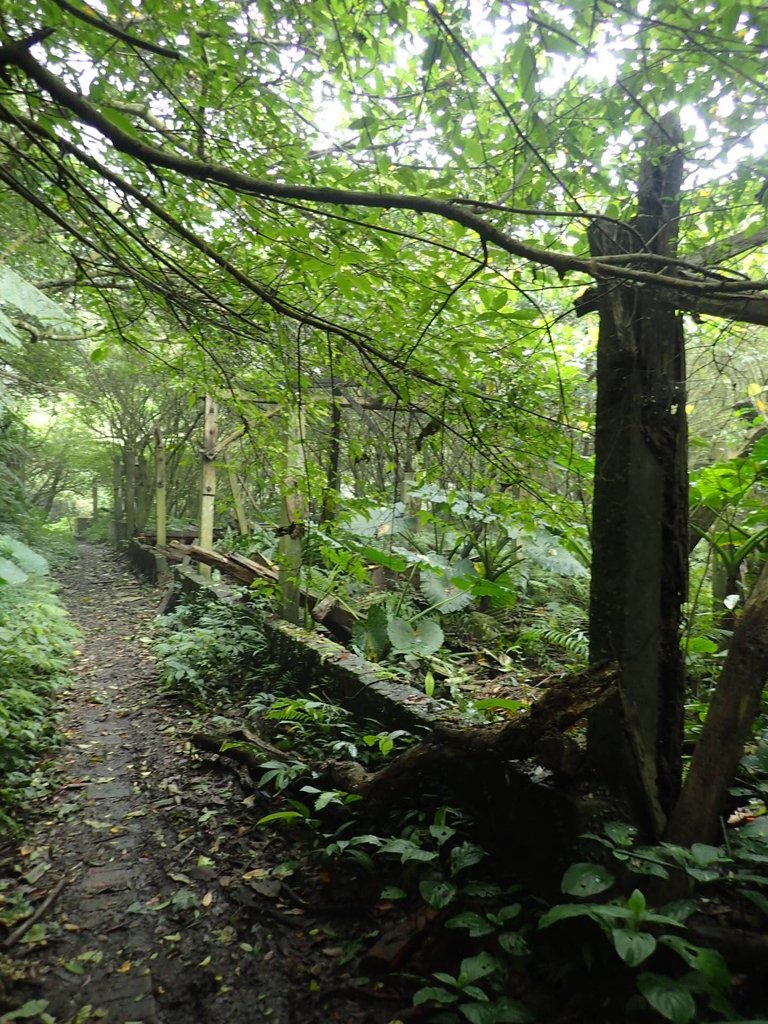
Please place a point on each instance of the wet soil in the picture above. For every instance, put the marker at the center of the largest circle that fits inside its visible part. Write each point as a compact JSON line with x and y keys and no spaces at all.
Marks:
{"x":158,"y":897}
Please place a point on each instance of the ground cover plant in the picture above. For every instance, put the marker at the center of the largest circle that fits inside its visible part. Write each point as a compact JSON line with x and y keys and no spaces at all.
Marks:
{"x":494,"y":942}
{"x":37,"y":646}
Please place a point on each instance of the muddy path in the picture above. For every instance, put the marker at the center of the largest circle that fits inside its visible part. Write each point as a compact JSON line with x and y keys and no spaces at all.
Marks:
{"x":160,"y":900}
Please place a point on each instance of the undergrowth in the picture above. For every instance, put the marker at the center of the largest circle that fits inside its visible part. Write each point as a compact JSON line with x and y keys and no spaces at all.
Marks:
{"x":503,"y":950}
{"x":36,"y":649}
{"x":205,"y":647}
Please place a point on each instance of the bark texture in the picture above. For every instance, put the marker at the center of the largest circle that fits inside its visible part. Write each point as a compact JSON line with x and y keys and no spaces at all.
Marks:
{"x":639,"y":527}
{"x":735,"y":704}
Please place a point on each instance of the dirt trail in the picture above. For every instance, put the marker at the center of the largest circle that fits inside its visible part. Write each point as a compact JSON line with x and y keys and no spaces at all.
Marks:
{"x":150,"y":850}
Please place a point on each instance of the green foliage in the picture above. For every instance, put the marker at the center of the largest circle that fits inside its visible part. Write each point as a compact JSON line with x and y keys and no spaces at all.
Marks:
{"x":639,"y":935}
{"x":204,"y":647}
{"x":36,"y":648}
{"x":18,"y":562}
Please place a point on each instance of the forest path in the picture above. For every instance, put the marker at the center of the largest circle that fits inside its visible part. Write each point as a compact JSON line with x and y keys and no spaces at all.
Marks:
{"x":147,"y":847}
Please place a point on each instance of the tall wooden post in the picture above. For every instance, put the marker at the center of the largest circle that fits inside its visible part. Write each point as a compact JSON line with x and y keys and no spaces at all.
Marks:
{"x":160,"y":492}
{"x":291,"y":522}
{"x":208,"y":482}
{"x":130,"y":492}
{"x":237,"y":497}
{"x":117,"y":499}
{"x":333,"y":477}
{"x":95,"y":499}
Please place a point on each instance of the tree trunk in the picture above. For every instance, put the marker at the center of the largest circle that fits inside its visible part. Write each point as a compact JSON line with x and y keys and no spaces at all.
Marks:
{"x":735,"y":704}
{"x":639,"y":526}
{"x":53,"y":490}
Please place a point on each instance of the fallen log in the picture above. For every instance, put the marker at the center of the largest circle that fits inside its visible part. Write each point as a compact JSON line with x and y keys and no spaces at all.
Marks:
{"x":477,"y":763}
{"x":326,"y":610}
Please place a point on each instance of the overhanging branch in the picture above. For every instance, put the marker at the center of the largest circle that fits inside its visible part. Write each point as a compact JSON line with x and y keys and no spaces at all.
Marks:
{"x":735,"y":300}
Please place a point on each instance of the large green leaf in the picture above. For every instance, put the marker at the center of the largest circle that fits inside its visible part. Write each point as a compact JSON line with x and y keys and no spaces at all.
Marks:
{"x":633,"y":947}
{"x":18,"y":292}
{"x":586,"y":880}
{"x":423,"y":637}
{"x":30,"y":561}
{"x":10,"y":572}
{"x":443,"y":587}
{"x":667,"y":997}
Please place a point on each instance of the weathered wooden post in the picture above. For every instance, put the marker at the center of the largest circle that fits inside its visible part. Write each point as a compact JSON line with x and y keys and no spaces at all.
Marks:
{"x":291,"y":522}
{"x":333,"y":476}
{"x":117,"y":500}
{"x":130,"y":492}
{"x":160,"y":492}
{"x":208,"y":482}
{"x":237,"y":497}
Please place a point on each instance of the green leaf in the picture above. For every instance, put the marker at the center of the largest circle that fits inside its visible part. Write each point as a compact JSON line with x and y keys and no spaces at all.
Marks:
{"x":432,"y":994}
{"x":280,"y":816}
{"x":370,"y":634}
{"x":636,"y":903}
{"x":11,"y":573}
{"x":479,"y":1013}
{"x":512,"y":1011}
{"x":438,"y":894}
{"x":586,"y":880}
{"x":633,"y":947}
{"x":423,"y":637}
{"x":33,"y":1008}
{"x":473,"y":968}
{"x":30,"y":561}
{"x":475,"y":924}
{"x":465,"y":856}
{"x":667,"y":997}
{"x":393,"y":892}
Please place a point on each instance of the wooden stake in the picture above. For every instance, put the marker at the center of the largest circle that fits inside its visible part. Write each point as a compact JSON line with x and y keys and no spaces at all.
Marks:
{"x":292,"y":523}
{"x":160,"y":491}
{"x":130,"y":492}
{"x":117,"y":498}
{"x":237,"y":497}
{"x":208,"y":483}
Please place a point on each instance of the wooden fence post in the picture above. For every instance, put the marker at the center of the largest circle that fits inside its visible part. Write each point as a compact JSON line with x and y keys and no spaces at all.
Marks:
{"x":160,"y":492}
{"x":237,"y":497}
{"x":291,"y":522}
{"x":208,"y":483}
{"x":130,"y":492}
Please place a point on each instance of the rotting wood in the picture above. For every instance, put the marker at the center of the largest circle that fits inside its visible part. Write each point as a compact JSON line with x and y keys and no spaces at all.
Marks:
{"x":451,"y":749}
{"x":336,"y":619}
{"x":244,"y":743}
{"x":396,"y":945}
